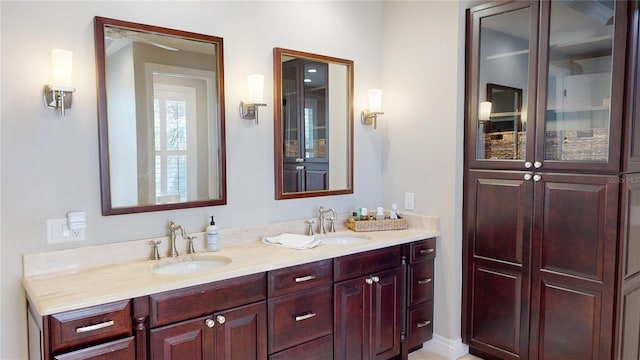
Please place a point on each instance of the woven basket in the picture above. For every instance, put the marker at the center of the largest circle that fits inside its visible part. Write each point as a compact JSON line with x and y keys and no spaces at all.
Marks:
{"x":377,"y":225}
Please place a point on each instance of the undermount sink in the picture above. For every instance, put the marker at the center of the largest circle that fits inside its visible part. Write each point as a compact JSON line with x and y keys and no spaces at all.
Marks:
{"x":344,"y":239}
{"x":190,"y":265}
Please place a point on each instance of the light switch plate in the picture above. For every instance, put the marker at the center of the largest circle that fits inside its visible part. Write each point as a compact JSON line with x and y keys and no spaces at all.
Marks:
{"x":58,"y":232}
{"x":408,"y":201}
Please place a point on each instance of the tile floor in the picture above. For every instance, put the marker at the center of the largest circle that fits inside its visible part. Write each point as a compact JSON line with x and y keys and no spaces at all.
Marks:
{"x":426,"y":355}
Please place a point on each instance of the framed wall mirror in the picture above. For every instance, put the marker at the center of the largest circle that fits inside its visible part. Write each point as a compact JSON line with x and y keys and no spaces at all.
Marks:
{"x":313,"y":124}
{"x":160,"y":116}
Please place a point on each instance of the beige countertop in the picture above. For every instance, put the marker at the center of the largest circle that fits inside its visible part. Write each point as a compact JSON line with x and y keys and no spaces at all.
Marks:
{"x":78,"y":287}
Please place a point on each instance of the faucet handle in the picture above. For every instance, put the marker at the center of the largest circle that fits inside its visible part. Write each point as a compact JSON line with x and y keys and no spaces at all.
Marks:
{"x":332,"y":227}
{"x":309,"y":227}
{"x":190,"y":249}
{"x":156,"y":253}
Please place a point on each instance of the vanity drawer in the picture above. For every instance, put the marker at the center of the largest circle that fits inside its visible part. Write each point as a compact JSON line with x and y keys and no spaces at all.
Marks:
{"x":300,"y":317}
{"x":300,"y":277}
{"x":123,"y":349}
{"x":176,"y":305}
{"x":350,"y":266}
{"x":420,"y":282}
{"x":89,"y":325}
{"x":420,"y":324}
{"x":318,"y":349}
{"x":422,"y":250}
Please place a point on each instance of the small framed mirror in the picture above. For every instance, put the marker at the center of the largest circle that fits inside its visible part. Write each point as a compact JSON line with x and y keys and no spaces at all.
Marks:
{"x":313,"y":124}
{"x":160,"y":116}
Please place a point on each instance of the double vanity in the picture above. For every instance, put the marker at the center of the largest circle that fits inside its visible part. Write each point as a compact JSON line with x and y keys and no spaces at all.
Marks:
{"x":357,"y":295}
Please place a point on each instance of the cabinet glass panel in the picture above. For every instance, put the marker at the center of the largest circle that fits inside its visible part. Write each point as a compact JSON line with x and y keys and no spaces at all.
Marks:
{"x":290,"y":111}
{"x":579,"y":81}
{"x":502,"y":86}
{"x":314,"y":115}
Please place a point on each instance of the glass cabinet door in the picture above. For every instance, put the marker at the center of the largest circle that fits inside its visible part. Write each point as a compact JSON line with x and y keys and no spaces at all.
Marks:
{"x":502,"y":69}
{"x":582,"y":91}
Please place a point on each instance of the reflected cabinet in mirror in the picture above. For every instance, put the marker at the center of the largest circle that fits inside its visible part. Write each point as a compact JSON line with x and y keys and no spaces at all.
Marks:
{"x":313,"y":125}
{"x":161,"y":118}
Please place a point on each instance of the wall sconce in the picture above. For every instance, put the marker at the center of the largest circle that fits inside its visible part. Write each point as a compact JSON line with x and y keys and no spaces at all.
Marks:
{"x":249,"y":109}
{"x":370,"y":116}
{"x":59,"y":94}
{"x":484,"y":113}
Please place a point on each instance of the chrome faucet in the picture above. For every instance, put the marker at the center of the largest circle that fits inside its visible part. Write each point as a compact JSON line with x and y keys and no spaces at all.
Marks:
{"x":172,"y":237}
{"x":321,"y":219}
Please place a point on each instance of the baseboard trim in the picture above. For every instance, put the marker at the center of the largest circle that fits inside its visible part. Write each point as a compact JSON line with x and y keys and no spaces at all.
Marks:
{"x":450,"y":349}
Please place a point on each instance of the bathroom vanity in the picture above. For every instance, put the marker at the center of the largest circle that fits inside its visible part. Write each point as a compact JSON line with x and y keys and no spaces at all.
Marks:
{"x":371,"y":299}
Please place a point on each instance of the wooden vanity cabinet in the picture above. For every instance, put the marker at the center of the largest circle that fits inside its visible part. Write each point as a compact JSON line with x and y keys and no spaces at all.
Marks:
{"x":368,"y":302}
{"x":221,"y":320}
{"x":300,"y":311}
{"x":420,"y":292}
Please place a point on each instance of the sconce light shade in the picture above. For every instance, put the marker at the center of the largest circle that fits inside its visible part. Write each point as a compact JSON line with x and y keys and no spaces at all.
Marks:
{"x":370,"y":116}
{"x":484,"y":113}
{"x":249,"y":109}
{"x":59,"y":94}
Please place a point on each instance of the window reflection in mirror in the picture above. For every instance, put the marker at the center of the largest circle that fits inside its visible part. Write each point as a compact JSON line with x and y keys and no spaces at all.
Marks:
{"x":313,"y":126}
{"x":161,"y":118}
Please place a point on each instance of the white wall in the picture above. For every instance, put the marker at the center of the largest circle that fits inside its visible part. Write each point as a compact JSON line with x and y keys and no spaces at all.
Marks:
{"x":421,"y":134}
{"x":50,"y":166}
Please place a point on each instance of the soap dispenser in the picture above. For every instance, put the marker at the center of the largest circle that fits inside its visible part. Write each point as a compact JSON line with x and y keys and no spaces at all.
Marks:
{"x":213,"y":243}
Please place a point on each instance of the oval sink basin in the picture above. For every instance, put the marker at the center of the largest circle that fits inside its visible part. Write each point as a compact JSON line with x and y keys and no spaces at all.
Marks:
{"x":189,"y":266}
{"x":344,"y":240}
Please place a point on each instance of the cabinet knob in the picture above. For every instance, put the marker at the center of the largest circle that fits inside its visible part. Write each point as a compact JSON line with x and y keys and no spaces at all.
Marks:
{"x":369,"y":280}
{"x":528,"y":165}
{"x":375,"y":279}
{"x":210,"y":323}
{"x":537,"y":164}
{"x":221,"y":319}
{"x":527,"y":177}
{"x":537,"y":177}
{"x":300,"y":167}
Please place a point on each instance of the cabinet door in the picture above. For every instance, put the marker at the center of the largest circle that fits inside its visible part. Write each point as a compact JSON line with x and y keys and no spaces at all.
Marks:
{"x":384,"y":336}
{"x":572,"y":268}
{"x":583,"y":54}
{"x":241,"y":333}
{"x":496,"y":259}
{"x":351,"y":319}
{"x":191,"y":339}
{"x":501,"y":65}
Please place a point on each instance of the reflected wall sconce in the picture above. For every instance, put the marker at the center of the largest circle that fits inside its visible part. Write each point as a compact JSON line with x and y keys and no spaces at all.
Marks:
{"x":370,"y":116}
{"x":484,"y":113}
{"x":249,"y":109}
{"x":58,"y":96}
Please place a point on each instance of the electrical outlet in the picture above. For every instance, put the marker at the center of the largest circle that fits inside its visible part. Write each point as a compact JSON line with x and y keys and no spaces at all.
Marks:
{"x":408,"y":201}
{"x":58,"y":232}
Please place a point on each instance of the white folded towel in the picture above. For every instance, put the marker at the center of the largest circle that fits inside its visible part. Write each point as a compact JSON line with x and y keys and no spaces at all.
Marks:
{"x":293,"y":241}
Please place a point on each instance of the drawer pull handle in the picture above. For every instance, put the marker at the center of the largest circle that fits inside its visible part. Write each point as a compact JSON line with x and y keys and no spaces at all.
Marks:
{"x":305,"y":316}
{"x":424,"y":323}
{"x":425,"y":281}
{"x":427,"y":251}
{"x":102,"y":325}
{"x":305,"y":278}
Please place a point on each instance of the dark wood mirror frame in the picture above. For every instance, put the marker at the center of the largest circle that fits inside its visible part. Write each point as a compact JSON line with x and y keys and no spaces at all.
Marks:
{"x":278,"y":54}
{"x":105,"y":183}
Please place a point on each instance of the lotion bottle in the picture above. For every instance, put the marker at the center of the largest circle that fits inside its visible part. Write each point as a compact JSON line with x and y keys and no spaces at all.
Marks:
{"x":212,"y":236}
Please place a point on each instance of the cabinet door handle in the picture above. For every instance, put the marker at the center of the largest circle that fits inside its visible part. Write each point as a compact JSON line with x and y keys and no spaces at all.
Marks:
{"x":299,"y":160}
{"x":305,"y":316}
{"x":528,"y":164}
{"x":210,"y":323}
{"x":537,"y":177}
{"x":369,"y":280}
{"x":537,"y":164}
{"x":527,"y":177}
{"x":300,"y":167}
{"x":221,"y":319}
{"x":427,"y":251}
{"x":305,"y":278}
{"x":375,"y":279}
{"x":423,"y":324}
{"x":102,"y":325}
{"x":424,"y":281}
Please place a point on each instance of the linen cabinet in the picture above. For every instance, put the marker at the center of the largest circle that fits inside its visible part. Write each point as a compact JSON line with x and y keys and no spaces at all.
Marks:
{"x":548,"y":125}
